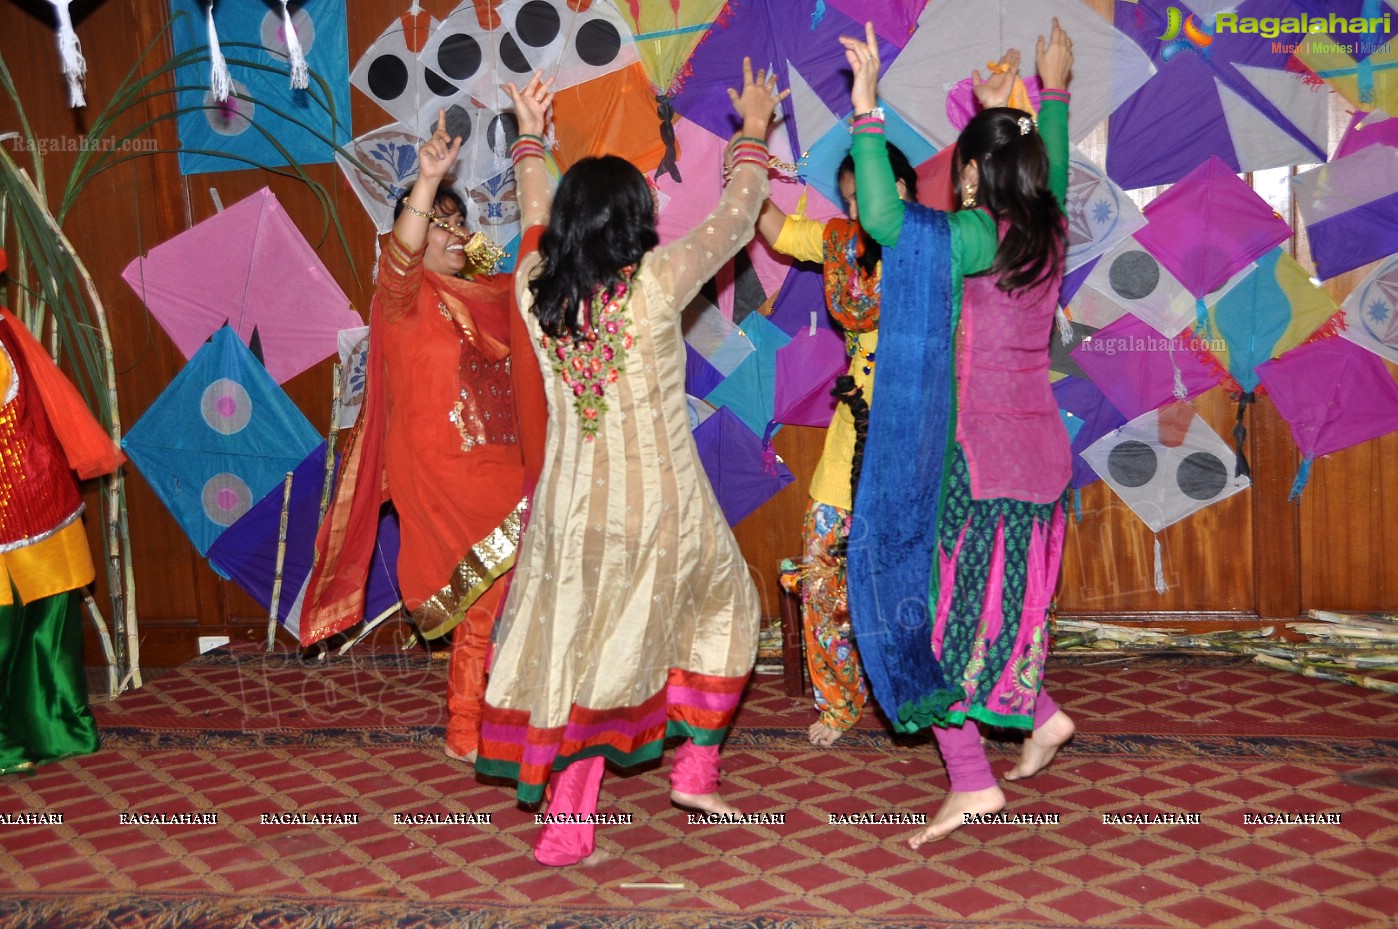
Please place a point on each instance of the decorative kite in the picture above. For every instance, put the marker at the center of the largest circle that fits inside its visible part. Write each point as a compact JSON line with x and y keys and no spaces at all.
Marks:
{"x":665,"y":36}
{"x":801,"y":45}
{"x":1351,"y":209}
{"x":953,"y":39}
{"x":609,"y":115}
{"x":1222,"y":95}
{"x":391,"y":73}
{"x":1208,"y":227}
{"x":1359,"y":65}
{"x":1366,"y":129}
{"x":1371,"y":312}
{"x":219,"y":438}
{"x":737,"y":468}
{"x":806,"y":370}
{"x":823,"y":160}
{"x":1333,"y":394}
{"x":236,"y":133}
{"x":266,"y":278}
{"x":749,"y":391}
{"x":246,"y":552}
{"x":1100,"y":215}
{"x":354,"y":367}
{"x":1272,"y":310}
{"x":1165,"y":465}
{"x":381,"y":166}
{"x":1139,"y":370}
{"x":1095,"y":415}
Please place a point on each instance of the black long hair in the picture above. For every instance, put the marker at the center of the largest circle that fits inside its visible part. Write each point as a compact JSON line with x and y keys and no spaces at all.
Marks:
{"x":603,"y":219}
{"x":1013,"y":167}
{"x":902,"y":171}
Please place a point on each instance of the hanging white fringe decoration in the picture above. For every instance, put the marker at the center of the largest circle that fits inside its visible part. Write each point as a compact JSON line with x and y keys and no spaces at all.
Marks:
{"x":1160,"y":586}
{"x":300,"y":71}
{"x":220,"y":81}
{"x":70,"y":52}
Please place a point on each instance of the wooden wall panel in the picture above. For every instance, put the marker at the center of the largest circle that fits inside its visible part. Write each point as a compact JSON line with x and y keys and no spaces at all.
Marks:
{"x":1253,"y":556}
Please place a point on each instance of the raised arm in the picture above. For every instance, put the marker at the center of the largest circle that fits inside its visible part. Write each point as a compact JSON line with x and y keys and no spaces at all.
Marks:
{"x":533,"y":186}
{"x":876,"y":191}
{"x":1054,"y":60}
{"x":684,"y":265}
{"x":400,"y":269}
{"x":434,"y":162}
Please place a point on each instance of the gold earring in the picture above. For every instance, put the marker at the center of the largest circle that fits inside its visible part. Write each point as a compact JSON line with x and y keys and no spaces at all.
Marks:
{"x":968,"y":196}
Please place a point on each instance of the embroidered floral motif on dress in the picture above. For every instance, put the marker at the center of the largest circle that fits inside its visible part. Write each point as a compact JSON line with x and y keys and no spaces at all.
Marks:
{"x":484,"y":410}
{"x":589,"y":363}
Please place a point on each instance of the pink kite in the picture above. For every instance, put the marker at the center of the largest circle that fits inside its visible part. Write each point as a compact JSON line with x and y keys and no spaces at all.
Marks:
{"x":1333,"y":394}
{"x":248,"y":267}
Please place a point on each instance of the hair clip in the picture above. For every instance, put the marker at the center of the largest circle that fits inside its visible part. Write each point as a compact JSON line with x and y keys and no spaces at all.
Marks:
{"x":1026,"y":125}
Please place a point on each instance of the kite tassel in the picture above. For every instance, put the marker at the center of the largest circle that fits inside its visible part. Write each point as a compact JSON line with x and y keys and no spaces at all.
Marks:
{"x":1240,"y":433}
{"x":1160,"y":585}
{"x":1201,"y":319}
{"x":1180,"y":391}
{"x":1065,"y":326}
{"x":769,"y":455}
{"x":669,"y":162}
{"x":70,"y":53}
{"x":1303,"y":475}
{"x":300,"y":71}
{"x":220,"y":81}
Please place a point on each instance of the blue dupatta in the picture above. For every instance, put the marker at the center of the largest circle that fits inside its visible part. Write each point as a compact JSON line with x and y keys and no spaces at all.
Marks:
{"x":892,"y":548}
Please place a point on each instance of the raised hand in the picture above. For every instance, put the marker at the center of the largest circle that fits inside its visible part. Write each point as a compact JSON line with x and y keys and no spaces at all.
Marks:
{"x":863,"y":58}
{"x":996,"y":91}
{"x":532,"y":103}
{"x":757,"y":101}
{"x":1055,"y":60}
{"x":438,"y":153}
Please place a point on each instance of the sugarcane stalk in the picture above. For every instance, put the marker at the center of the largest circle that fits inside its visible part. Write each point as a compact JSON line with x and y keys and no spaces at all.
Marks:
{"x":369,"y":627}
{"x":1370,"y":683}
{"x":1383,"y":619}
{"x":121,"y":577}
{"x":105,"y":636}
{"x":281,"y":561}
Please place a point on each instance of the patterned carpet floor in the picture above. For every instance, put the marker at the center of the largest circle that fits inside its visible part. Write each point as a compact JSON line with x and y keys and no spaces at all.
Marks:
{"x":238,"y":735}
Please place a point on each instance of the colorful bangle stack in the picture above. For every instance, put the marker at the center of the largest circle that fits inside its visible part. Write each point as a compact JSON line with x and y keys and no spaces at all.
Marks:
{"x":1062,"y":96}
{"x":867,"y":124}
{"x":748,"y":149}
{"x":527,"y":146}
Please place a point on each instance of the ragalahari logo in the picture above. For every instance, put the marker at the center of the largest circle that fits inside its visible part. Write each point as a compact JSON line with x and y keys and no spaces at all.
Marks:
{"x":1196,"y":38}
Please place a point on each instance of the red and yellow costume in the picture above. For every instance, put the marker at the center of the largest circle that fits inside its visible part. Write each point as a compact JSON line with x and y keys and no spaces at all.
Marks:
{"x":452,"y":433}
{"x":46,"y":433}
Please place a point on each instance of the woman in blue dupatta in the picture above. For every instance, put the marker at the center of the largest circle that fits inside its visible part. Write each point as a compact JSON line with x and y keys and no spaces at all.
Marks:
{"x":969,"y":304}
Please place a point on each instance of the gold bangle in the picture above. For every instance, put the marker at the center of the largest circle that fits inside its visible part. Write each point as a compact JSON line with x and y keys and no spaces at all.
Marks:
{"x":416,"y":212}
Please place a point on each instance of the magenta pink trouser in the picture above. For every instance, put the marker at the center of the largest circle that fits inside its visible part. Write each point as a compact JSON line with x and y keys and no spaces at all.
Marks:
{"x":574,"y":790}
{"x":964,"y":754}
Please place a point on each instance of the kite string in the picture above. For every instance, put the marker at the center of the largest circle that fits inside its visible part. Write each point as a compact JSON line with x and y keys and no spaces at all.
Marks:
{"x":247,"y":284}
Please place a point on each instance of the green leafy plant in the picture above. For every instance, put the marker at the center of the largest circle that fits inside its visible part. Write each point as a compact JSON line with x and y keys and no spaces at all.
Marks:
{"x":57,"y":299}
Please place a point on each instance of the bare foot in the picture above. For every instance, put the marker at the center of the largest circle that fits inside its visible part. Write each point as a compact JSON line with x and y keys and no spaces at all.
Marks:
{"x":469,"y":757}
{"x":821,"y":734}
{"x":703,"y":803}
{"x":953,"y":810}
{"x":598,"y":856}
{"x":1041,"y":745}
